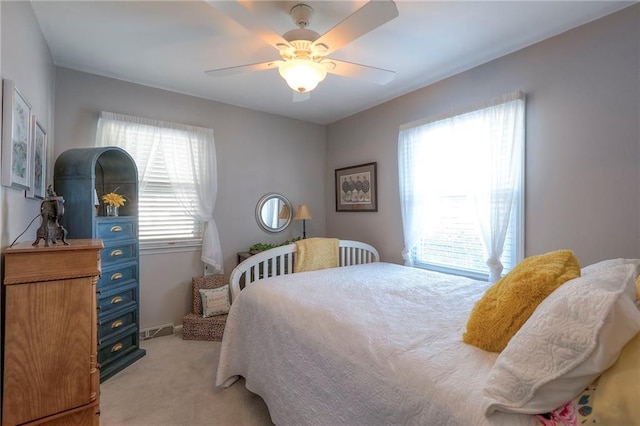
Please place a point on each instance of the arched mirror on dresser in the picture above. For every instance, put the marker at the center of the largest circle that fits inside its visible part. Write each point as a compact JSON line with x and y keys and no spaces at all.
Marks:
{"x":273,"y":212}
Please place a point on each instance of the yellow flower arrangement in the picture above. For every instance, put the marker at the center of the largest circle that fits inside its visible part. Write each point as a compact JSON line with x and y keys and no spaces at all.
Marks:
{"x":113,"y":199}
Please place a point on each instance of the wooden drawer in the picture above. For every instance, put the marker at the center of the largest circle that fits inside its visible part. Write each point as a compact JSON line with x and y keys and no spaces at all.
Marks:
{"x":117,"y":298}
{"x":116,"y":321}
{"x":85,"y":415}
{"x":118,"y":346}
{"x":116,"y":228}
{"x":116,"y":275}
{"x":119,"y":252}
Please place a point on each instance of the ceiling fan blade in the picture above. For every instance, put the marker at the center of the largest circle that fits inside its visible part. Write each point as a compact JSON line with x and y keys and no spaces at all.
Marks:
{"x":363,"y":72}
{"x":241,"y":12}
{"x":222,"y":72}
{"x":367,"y":18}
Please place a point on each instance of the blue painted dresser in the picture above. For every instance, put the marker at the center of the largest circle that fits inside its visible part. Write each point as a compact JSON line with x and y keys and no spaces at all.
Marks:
{"x":77,"y":172}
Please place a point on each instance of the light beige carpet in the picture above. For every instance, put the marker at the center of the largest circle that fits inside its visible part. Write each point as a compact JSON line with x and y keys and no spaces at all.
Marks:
{"x":174,"y":385}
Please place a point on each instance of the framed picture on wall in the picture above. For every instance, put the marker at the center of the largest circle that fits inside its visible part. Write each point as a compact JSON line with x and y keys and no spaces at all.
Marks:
{"x":16,"y":138}
{"x":38,"y":160}
{"x":357,"y":188}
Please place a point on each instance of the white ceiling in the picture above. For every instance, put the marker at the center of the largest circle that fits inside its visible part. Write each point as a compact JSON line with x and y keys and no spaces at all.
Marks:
{"x":169,"y":45}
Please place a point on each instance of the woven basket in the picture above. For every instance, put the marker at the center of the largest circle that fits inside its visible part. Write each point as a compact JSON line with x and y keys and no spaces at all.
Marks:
{"x":194,"y":326}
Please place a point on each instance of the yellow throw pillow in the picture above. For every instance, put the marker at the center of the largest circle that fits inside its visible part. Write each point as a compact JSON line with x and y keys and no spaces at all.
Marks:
{"x":619,"y":386}
{"x":616,"y":400}
{"x":507,"y":305}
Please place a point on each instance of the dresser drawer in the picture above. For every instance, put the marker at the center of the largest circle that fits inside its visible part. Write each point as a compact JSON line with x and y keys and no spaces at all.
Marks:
{"x":118,"y":298}
{"x":118,"y":274}
{"x":119,"y":252}
{"x":118,"y":346}
{"x":116,"y":228}
{"x":115,"y":322}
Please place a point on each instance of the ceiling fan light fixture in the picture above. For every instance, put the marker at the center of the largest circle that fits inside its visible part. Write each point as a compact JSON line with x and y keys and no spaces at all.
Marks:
{"x":302,"y":75}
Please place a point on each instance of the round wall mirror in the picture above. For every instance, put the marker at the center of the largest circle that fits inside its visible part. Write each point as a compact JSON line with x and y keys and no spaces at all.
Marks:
{"x":273,"y":212}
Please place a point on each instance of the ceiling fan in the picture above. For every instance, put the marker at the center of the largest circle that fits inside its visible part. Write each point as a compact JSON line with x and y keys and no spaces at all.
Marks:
{"x":303,"y":51}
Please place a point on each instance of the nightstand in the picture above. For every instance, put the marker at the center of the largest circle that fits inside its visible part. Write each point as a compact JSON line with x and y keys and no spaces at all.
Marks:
{"x":243,"y":255}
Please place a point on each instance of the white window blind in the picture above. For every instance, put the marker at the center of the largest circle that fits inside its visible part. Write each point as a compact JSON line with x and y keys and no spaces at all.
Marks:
{"x":162,"y":218}
{"x":456,"y":244}
{"x":462,"y":189}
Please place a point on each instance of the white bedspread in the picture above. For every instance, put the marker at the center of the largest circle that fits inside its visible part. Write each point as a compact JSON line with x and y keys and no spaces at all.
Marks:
{"x":374,"y":344}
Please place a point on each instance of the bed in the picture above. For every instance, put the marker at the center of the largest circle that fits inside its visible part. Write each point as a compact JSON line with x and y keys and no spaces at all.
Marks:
{"x":371,"y":343}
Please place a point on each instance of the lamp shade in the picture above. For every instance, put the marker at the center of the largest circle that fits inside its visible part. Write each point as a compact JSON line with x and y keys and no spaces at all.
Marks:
{"x":302,"y":75}
{"x":302,"y":213}
{"x":284,"y":212}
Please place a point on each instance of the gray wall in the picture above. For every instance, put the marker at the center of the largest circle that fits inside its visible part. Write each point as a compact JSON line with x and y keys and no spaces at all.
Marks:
{"x":25,"y":59}
{"x":582,"y":141}
{"x":257,"y":153}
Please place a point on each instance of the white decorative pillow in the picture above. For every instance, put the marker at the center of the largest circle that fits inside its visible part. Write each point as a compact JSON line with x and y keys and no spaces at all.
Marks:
{"x":605,"y":264}
{"x":575,"y":334}
{"x":215,"y":301}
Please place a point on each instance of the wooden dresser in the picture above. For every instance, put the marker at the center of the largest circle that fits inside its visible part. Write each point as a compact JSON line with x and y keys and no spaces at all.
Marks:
{"x":51,"y":374}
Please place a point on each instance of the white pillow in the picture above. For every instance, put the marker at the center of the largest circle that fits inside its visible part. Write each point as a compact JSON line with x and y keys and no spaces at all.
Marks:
{"x":575,"y":334}
{"x":215,"y":301}
{"x":605,"y":264}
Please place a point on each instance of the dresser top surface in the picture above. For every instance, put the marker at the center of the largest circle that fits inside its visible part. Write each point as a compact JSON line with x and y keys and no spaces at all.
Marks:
{"x":78,"y":244}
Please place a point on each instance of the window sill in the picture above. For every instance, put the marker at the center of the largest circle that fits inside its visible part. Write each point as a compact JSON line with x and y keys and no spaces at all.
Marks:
{"x":461,"y":272}
{"x":149,"y":248}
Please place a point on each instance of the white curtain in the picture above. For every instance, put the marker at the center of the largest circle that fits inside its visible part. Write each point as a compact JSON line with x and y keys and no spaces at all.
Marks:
{"x":492,"y":136}
{"x":413,"y":199}
{"x":182,"y":144}
{"x":500,"y":152}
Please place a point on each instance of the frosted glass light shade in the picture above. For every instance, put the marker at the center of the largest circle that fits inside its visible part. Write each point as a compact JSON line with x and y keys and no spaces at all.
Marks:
{"x":302,"y":75}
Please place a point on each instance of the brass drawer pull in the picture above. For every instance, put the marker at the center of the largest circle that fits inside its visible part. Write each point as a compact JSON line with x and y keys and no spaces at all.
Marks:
{"x":116,"y":228}
{"x":116,"y":276}
{"x":116,"y":252}
{"x":116,"y":324}
{"x":116,"y":347}
{"x":116,"y":300}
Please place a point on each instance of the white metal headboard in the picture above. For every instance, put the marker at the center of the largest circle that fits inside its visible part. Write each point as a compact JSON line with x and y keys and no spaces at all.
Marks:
{"x":280,"y":260}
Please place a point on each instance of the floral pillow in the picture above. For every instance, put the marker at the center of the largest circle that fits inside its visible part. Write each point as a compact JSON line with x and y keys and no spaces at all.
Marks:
{"x":578,"y":411}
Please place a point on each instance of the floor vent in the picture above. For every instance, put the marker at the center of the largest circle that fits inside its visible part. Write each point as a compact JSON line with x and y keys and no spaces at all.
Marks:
{"x":157,"y":331}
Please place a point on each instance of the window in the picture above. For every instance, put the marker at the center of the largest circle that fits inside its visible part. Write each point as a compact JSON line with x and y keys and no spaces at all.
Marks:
{"x":462,"y":189}
{"x":177,"y":179}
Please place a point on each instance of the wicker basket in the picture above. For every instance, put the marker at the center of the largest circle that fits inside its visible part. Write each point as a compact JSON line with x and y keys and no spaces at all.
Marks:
{"x":194,"y":326}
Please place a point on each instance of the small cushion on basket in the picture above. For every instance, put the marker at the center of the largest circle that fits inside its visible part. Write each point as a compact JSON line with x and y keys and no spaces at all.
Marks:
{"x":215,"y":301}
{"x":507,"y":305}
{"x":204,"y":281}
